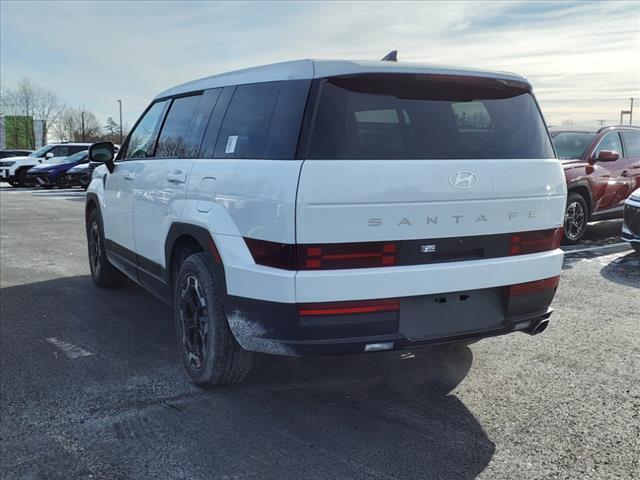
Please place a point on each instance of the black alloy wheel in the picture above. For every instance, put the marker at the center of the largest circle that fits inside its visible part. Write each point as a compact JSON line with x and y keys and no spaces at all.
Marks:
{"x":575,"y":219}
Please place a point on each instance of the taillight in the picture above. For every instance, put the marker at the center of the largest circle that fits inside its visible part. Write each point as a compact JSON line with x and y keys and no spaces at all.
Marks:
{"x":533,"y":287}
{"x":334,"y":256}
{"x":272,"y":254}
{"x":533,"y":242}
{"x":349,"y":308}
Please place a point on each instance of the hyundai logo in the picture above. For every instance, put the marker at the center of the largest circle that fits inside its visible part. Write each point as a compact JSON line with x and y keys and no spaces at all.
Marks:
{"x":463,"y":180}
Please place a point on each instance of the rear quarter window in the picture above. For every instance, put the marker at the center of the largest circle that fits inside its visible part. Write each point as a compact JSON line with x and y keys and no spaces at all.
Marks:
{"x":244,"y":130}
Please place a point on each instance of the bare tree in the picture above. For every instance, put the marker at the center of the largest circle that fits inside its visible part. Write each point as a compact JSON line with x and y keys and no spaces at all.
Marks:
{"x":77,"y":125}
{"x":30,"y":102}
{"x":47,"y":107}
{"x":568,"y":122}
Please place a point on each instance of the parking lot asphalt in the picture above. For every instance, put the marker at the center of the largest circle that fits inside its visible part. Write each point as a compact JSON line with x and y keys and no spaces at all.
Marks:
{"x":91,"y":386}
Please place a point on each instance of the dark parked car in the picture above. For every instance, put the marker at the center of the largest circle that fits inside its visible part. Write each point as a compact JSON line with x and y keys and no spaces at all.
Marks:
{"x":602,"y":168}
{"x":15,"y":153}
{"x":52,"y":173}
{"x":80,"y":175}
{"x":631,"y":224}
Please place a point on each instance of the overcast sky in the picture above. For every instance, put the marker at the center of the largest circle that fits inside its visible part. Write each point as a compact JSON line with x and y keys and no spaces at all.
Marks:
{"x":582,"y":58}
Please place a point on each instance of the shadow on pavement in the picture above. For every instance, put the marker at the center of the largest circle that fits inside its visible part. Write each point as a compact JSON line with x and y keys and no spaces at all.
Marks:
{"x":388,"y":415}
{"x":599,"y":233}
{"x":624,"y":270}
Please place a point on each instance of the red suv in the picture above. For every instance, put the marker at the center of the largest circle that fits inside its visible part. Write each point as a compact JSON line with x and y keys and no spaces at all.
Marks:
{"x":602,"y":168}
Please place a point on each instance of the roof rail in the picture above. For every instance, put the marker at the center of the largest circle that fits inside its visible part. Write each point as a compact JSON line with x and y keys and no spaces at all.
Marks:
{"x":604,"y":127}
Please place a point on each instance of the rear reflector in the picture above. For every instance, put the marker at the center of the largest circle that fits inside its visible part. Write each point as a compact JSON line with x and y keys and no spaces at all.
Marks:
{"x":378,"y":347}
{"x":533,"y":287}
{"x":348,"y":308}
{"x":534,"y":242}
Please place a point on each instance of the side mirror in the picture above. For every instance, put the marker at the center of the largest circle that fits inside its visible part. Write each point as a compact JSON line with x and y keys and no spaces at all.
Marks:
{"x":607,"y":156}
{"x":103,"y":152}
{"x":48,"y":155}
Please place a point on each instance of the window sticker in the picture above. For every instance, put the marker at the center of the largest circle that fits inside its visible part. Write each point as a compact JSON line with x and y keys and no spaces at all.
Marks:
{"x":231,"y":144}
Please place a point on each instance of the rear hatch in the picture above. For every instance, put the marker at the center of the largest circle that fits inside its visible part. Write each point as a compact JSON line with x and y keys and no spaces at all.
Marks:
{"x":413,"y":157}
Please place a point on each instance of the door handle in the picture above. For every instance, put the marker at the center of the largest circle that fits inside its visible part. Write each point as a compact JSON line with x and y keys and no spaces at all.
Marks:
{"x":177,"y":177}
{"x":130,"y":176}
{"x":626,"y":173}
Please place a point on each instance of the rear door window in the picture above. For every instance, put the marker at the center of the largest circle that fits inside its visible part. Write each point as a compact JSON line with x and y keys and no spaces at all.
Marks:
{"x":184,"y":125}
{"x":382,"y":116}
{"x":631,"y":143}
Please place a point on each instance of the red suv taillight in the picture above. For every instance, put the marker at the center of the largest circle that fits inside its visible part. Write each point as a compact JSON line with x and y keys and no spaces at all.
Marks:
{"x":348,"y":308}
{"x":330,"y":256}
{"x":346,"y":255}
{"x":534,"y":242}
{"x":533,"y":287}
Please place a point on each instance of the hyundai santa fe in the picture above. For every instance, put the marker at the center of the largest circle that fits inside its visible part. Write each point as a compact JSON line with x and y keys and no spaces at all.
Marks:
{"x":333,"y":207}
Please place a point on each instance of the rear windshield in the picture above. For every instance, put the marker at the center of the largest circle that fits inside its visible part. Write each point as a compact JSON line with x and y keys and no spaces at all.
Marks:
{"x":425,"y":117}
{"x":572,"y":144}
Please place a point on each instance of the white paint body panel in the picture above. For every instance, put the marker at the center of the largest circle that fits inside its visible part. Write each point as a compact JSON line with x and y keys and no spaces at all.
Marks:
{"x":314,"y":68}
{"x":252,"y":198}
{"x":390,"y":282}
{"x":117,"y":204}
{"x":368,"y":200}
{"x":158,"y":203}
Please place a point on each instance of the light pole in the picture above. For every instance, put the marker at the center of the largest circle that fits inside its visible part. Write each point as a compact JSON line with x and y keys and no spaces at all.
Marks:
{"x":82,"y":116}
{"x":120,"y":107}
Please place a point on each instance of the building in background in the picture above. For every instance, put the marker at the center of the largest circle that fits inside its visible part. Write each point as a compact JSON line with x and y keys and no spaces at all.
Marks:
{"x":20,"y":132}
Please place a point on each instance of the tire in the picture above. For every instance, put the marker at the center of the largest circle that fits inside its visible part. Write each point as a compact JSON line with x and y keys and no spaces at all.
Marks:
{"x":103,"y":273}
{"x":208,"y":350}
{"x":21,"y":178}
{"x":576,"y":217}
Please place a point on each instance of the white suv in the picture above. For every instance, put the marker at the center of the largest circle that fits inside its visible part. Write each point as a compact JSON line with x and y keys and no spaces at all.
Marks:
{"x":14,"y":169}
{"x":316,"y":207}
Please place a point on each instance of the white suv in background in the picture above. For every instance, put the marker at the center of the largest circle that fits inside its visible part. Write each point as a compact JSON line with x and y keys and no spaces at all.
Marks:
{"x":329,"y":207}
{"x":14,"y":169}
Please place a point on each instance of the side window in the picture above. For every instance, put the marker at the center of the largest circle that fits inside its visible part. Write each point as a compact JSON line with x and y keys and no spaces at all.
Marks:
{"x":246,"y":124}
{"x":141,"y":140}
{"x":61,"y":151}
{"x":286,"y":122}
{"x":632,"y":143}
{"x":76,"y":149}
{"x":611,"y":141}
{"x":184,"y":125}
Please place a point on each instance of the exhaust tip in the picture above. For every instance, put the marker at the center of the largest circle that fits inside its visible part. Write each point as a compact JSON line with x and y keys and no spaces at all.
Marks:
{"x":538,"y":327}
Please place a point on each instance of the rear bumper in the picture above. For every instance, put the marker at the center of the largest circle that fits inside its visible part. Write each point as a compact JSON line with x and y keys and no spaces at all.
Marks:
{"x":277,"y":328}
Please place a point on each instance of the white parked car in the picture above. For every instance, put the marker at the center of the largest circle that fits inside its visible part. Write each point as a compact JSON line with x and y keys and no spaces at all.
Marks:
{"x":324,"y":207}
{"x":14,"y":169}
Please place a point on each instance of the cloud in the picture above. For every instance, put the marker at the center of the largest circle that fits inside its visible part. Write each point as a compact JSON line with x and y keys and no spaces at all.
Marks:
{"x":582,"y":57}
